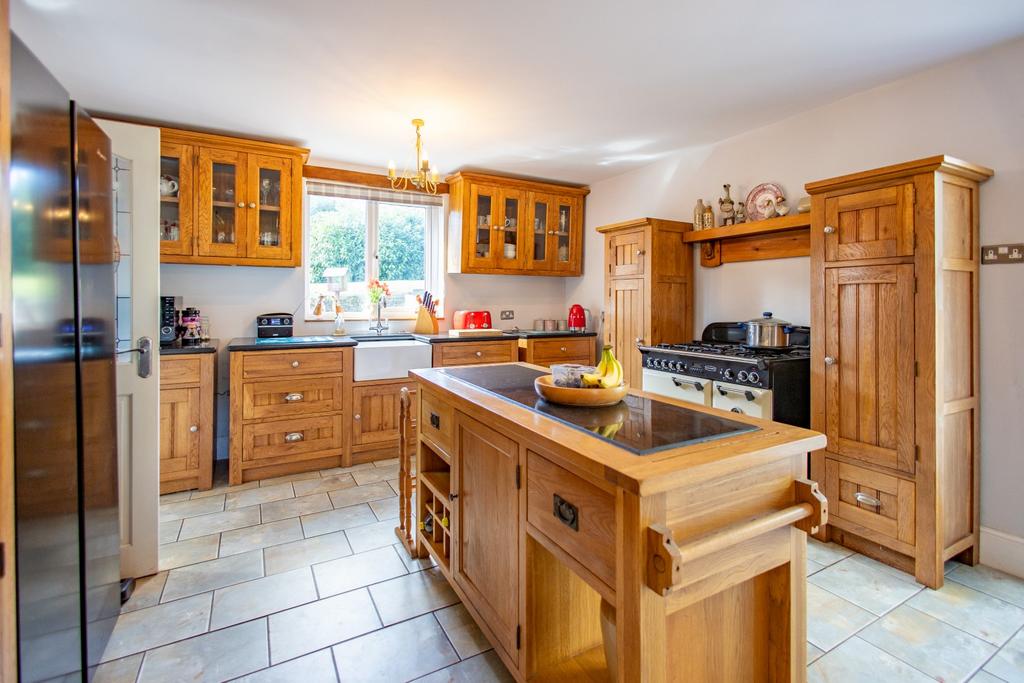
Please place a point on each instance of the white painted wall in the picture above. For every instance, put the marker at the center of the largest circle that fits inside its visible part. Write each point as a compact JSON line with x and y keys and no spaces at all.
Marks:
{"x":972,"y":108}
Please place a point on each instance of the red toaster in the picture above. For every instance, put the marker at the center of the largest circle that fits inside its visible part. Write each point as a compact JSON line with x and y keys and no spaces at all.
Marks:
{"x":471,"y":320}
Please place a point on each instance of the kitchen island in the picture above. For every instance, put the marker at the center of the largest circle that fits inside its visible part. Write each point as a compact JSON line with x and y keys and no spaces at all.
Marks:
{"x":646,"y":541}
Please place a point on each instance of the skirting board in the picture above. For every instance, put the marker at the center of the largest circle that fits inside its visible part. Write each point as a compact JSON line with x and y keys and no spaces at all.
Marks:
{"x":1002,"y":551}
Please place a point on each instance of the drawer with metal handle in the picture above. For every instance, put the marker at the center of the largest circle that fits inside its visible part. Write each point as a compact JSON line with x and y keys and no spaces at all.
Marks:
{"x":744,"y":400}
{"x":872,"y":504}
{"x":272,"y":442}
{"x":270,"y":399}
{"x":267,"y":364}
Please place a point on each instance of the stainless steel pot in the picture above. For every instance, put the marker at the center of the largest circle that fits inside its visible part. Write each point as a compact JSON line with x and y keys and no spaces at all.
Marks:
{"x":767,"y":332}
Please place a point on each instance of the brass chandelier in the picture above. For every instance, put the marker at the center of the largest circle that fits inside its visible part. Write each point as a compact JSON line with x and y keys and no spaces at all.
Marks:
{"x":425,"y":177}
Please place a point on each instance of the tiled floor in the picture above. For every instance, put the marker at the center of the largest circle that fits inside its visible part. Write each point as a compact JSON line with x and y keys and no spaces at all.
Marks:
{"x":299,"y":579}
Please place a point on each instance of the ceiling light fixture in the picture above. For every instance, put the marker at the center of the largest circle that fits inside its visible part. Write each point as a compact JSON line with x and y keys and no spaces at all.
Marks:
{"x":425,"y":177}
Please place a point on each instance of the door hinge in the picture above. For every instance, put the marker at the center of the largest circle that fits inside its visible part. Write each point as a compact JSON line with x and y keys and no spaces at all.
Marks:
{"x":913,"y":194}
{"x":917,"y":369}
{"x":519,"y":636}
{"x":3,"y":560}
{"x":519,"y":476}
{"x":917,"y":453}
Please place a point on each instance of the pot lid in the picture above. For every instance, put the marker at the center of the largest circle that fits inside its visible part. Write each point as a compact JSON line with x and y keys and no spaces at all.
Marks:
{"x":768,"y":320}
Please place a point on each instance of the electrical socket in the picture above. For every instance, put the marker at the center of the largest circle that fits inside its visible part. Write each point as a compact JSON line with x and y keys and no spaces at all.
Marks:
{"x":1002,"y":253}
{"x":508,"y":315}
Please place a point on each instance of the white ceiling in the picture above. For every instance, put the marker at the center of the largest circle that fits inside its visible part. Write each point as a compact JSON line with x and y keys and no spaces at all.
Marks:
{"x":564,"y":89}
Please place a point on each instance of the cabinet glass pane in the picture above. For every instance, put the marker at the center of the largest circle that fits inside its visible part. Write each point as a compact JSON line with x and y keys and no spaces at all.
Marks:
{"x":564,"y":226}
{"x":483,"y":225}
{"x":510,"y":228}
{"x":223,"y":203}
{"x":170,"y":213}
{"x":270,"y":207}
{"x":540,"y":230}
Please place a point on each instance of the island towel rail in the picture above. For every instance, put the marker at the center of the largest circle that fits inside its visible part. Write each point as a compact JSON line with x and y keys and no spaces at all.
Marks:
{"x":666,"y":558}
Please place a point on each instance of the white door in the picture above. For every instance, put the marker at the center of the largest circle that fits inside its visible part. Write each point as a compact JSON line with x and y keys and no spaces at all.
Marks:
{"x":136,"y":191}
{"x":740,"y":399}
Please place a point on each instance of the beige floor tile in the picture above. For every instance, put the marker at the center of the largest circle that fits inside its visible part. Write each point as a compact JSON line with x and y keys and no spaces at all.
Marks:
{"x":386,"y":509}
{"x":386,"y":462}
{"x":147,"y":592}
{"x":985,"y":677}
{"x":397,"y":653}
{"x":356,"y":571}
{"x":210,"y":658}
{"x":414,"y":564}
{"x":258,"y":598}
{"x":155,"y":626}
{"x":191,"y":508}
{"x":927,"y":644}
{"x":826,"y":553}
{"x":312,"y":627}
{"x":394,"y":487}
{"x":221,"y":490}
{"x":119,"y":671}
{"x":882,"y":567}
{"x":295,"y":507}
{"x":259,"y":536}
{"x":336,"y":520}
{"x":1008,"y":664}
{"x":831,"y":619}
{"x":361,"y":494}
{"x":969,"y":610}
{"x":207,"y":576}
{"x":263,"y":494}
{"x":219,"y":521}
{"x":317,"y":667}
{"x":346,"y":470}
{"x":857,"y":661}
{"x":462,"y":631}
{"x":176,"y":497}
{"x":288,"y":556}
{"x":813,"y":653}
{"x":411,"y":595}
{"x":377,"y":474}
{"x":370,"y":536}
{"x":484,"y":668}
{"x":868,"y":587}
{"x":992,"y":581}
{"x":200,"y":549}
{"x":298,"y":476}
{"x":169,"y":531}
{"x":323,"y":484}
{"x":813,"y":567}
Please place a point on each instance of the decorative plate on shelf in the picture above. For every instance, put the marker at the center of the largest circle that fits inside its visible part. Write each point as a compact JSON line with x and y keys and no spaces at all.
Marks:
{"x":757,"y":197}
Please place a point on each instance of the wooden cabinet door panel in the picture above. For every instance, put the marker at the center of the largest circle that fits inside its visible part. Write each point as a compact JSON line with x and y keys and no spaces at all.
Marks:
{"x":626,"y":325}
{"x":269,"y":207}
{"x":871,"y":500}
{"x":541,"y":222}
{"x":507,"y":241}
{"x":177,"y":207}
{"x":627,"y":254}
{"x":566,"y":247}
{"x":482,"y":239}
{"x":870,"y":224}
{"x":179,"y":445}
{"x":220,"y":207}
{"x":869,"y":385}
{"x":376,"y":411}
{"x":487,"y":519}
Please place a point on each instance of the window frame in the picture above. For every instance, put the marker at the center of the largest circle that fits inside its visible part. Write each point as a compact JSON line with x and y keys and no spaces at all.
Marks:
{"x":433,"y":245}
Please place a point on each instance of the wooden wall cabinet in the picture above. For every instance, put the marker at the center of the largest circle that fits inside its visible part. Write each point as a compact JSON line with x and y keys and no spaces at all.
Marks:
{"x":894,"y":361}
{"x":236,"y":201}
{"x":646,"y":261}
{"x":506,"y":226}
{"x":186,"y":422}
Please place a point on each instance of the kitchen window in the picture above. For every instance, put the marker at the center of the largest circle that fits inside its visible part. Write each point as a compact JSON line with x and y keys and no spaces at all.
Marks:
{"x":355,"y":235}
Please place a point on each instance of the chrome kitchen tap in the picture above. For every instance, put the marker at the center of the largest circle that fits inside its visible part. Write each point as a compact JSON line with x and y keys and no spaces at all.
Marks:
{"x":380,"y":327}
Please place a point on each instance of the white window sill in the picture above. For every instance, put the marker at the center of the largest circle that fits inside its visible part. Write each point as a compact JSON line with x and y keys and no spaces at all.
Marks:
{"x":395,"y":316}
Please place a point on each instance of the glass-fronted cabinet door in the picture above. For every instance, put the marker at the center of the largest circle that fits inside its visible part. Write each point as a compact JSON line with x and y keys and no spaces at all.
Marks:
{"x":564,"y":234}
{"x":269,"y":207}
{"x":221,"y":208}
{"x":483,"y":207}
{"x":508,"y":227}
{"x":176,"y":209}
{"x":539,"y":212}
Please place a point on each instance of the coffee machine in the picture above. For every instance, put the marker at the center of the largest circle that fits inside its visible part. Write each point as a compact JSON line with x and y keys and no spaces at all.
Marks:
{"x":169,"y":305}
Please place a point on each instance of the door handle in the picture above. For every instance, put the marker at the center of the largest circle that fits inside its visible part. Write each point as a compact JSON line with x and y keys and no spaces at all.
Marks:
{"x":294,"y":396}
{"x":566,"y":513}
{"x":683,"y":382}
{"x":294,"y":436}
{"x":145,"y":351}
{"x":746,"y":393}
{"x":865,"y":499}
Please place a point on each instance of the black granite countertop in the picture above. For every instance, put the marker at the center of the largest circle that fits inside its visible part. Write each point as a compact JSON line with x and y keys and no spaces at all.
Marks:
{"x":286,"y":343}
{"x":443,"y":338}
{"x":176,"y":349}
{"x":530,"y":334}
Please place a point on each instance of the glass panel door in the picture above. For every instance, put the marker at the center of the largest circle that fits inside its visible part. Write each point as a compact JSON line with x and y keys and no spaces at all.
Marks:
{"x":269,"y":207}
{"x":563,"y":232}
{"x":483,"y":204}
{"x":508,"y":228}
{"x":221,"y":211}
{"x":176,"y":209}
{"x":538,"y":227}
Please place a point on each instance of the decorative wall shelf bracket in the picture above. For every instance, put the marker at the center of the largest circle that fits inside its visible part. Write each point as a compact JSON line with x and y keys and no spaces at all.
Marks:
{"x":781,"y":237}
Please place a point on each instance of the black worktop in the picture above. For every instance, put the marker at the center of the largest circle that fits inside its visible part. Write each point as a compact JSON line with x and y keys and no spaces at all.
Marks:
{"x":530,"y":334}
{"x":498,"y":335}
{"x":176,"y":349}
{"x":637,"y":424}
{"x":286,"y":343}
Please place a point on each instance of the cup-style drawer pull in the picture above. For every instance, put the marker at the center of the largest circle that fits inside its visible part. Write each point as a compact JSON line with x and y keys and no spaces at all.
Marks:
{"x":567,"y":513}
{"x":865,"y":499}
{"x":294,"y":396}
{"x":829,"y":229}
{"x":435,"y":420}
{"x":295,"y":363}
{"x":292,"y":437}
{"x":194,"y":428}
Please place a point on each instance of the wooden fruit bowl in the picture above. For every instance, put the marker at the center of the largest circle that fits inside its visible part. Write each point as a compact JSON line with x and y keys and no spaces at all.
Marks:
{"x":571,"y":396}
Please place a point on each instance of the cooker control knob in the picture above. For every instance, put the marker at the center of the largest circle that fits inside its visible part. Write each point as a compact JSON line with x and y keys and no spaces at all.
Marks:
{"x":754,"y":377}
{"x":727,"y":374}
{"x":742,"y":376}
{"x":287,"y":321}
{"x":672,"y":365}
{"x":263,"y":321}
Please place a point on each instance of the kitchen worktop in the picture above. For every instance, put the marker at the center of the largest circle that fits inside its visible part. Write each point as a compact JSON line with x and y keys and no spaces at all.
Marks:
{"x":286,"y":343}
{"x":499,"y":334}
{"x":177,"y":349}
{"x":530,"y":334}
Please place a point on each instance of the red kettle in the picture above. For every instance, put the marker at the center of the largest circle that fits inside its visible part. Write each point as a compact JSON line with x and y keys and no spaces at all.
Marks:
{"x":577,"y":319}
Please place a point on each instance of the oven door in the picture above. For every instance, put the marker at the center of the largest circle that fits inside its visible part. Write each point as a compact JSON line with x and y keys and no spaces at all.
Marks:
{"x":689,"y":389}
{"x":740,"y":399}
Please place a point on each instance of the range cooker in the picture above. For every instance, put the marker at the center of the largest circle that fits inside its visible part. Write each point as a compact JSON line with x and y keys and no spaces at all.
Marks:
{"x":719,"y":371}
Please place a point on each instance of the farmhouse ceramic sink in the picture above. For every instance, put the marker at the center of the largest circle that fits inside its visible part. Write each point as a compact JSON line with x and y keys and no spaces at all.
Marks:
{"x":389,"y":358}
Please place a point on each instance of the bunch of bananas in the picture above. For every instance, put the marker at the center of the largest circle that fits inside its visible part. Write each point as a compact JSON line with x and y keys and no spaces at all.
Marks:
{"x":608,"y":431}
{"x":608,"y":373}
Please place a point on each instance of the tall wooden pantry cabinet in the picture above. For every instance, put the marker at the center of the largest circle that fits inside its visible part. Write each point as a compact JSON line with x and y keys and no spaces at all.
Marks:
{"x":648,"y":279}
{"x":894,"y":361}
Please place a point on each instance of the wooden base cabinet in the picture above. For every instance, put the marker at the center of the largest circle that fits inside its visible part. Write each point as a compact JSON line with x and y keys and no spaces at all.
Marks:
{"x":186,"y":422}
{"x":549,"y":351}
{"x":475,"y":352}
{"x":894,"y":361}
{"x":375,"y":426}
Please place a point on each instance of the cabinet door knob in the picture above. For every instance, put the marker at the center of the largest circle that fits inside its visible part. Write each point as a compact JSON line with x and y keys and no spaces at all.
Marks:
{"x":194,"y":428}
{"x":562,"y":349}
{"x":295,"y":363}
{"x":357,"y":416}
{"x":252,"y":205}
{"x":241,"y":205}
{"x":479,"y":354}
{"x":829,"y":229}
{"x":639,"y":340}
{"x":829,"y":360}
{"x":292,"y":437}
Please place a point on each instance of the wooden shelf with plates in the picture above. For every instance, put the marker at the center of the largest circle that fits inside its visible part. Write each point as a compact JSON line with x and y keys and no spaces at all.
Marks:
{"x":780,"y":237}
